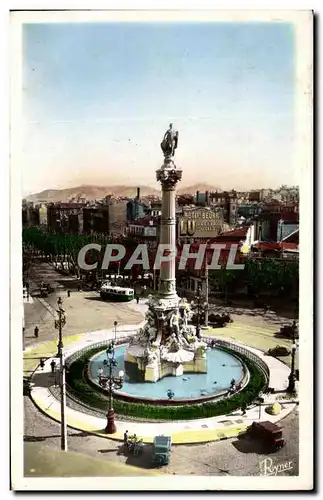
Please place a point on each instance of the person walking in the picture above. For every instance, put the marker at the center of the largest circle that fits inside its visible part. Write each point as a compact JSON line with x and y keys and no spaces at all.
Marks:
{"x":244,"y":409}
{"x":68,"y":293}
{"x":53,"y":366}
{"x":137,"y":299}
{"x":36,"y":331}
{"x":125,"y":439}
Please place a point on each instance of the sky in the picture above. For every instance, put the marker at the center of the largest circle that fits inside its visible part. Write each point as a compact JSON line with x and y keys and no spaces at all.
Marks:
{"x":98,"y":97}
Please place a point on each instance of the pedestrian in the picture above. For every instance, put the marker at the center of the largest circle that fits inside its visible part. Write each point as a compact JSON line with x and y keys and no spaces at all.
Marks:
{"x":244,"y":409}
{"x":78,"y":288}
{"x":53,"y":366}
{"x":68,"y":293}
{"x":36,"y":331}
{"x":125,"y":439}
{"x":137,"y":299}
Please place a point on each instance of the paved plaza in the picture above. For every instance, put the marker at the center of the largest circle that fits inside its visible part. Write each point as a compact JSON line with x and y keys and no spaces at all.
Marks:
{"x":88,"y":319}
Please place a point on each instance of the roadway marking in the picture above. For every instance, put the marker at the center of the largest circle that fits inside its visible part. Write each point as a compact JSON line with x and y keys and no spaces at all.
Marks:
{"x":47,"y":306}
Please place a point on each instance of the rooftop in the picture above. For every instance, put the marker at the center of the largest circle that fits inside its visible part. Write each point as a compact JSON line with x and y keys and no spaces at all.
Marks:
{"x":145,"y":221}
{"x":240,"y":232}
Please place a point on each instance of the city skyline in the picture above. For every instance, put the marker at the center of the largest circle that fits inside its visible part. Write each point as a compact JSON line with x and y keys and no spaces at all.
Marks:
{"x":227,"y":87}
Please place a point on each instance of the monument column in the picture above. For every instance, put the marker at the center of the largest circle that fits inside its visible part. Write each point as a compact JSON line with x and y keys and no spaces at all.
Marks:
{"x":162,"y":347}
{"x":168,"y":176}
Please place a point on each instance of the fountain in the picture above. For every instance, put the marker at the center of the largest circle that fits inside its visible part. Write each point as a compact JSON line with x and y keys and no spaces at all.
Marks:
{"x":166,"y":345}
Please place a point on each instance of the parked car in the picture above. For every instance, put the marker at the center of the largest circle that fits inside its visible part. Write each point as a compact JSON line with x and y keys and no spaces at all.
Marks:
{"x":270,"y":434}
{"x":279,"y":350}
{"x":289,"y":331}
{"x":219,"y":321}
{"x":161,"y":450}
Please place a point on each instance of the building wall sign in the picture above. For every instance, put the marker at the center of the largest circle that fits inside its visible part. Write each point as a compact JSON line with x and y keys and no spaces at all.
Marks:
{"x":200,"y":223}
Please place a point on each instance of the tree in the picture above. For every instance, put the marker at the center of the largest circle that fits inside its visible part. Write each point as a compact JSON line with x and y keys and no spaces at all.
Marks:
{"x":226,"y":279}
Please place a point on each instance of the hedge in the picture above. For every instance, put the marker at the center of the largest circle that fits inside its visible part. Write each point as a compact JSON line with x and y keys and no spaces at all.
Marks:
{"x":78,"y":386}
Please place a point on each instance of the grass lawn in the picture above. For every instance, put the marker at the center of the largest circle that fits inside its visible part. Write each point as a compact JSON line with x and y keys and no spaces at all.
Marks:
{"x":44,"y":350}
{"x":258,"y":337}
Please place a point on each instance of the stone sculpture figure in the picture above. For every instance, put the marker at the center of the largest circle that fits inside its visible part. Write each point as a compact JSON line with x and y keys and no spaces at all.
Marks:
{"x":150,"y":318}
{"x":152,"y":332}
{"x":174,"y":324}
{"x":169,"y":142}
{"x":186,"y":311}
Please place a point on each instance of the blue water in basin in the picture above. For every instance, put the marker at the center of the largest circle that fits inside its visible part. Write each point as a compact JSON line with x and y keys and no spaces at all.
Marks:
{"x":221,"y":369}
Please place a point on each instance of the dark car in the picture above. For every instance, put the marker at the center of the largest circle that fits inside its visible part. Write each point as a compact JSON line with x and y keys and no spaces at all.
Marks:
{"x":270,"y":434}
{"x":279,"y":351}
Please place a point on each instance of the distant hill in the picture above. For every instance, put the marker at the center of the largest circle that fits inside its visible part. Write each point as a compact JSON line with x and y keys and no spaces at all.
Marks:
{"x":98,"y":192}
{"x":90,"y":193}
{"x":201,"y":187}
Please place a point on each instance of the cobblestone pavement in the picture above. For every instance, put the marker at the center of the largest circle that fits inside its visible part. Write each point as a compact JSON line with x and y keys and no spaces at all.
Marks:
{"x":236,"y":457}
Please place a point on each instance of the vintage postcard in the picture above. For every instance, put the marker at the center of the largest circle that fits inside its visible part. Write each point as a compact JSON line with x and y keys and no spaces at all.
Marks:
{"x":161,"y":250}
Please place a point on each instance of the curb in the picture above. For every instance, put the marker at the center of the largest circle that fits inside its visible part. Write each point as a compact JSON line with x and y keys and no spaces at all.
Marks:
{"x":235,"y":431}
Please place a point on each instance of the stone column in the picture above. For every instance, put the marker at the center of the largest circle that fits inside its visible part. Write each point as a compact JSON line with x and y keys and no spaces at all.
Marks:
{"x":168,"y":177}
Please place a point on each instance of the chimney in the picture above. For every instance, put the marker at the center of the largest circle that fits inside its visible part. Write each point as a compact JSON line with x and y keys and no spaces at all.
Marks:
{"x":138,"y":193}
{"x":197,"y":196}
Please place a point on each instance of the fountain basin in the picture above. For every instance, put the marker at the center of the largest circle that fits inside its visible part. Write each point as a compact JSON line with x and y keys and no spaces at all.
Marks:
{"x":189,"y":387}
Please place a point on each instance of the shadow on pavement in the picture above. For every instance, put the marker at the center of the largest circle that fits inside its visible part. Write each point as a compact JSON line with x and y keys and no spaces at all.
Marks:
{"x":35,"y":439}
{"x":113,"y":450}
{"x":45,"y":379}
{"x":251,"y":310}
{"x":143,"y":460}
{"x":95,"y":299}
{"x":247,"y":445}
{"x":279,"y":335}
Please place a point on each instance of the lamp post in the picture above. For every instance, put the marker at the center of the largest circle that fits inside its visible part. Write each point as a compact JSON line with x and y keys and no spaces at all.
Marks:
{"x":206,"y":312}
{"x":59,"y":324}
{"x":110,"y":382}
{"x":199,"y":309}
{"x":292,"y":377}
{"x":115,"y":324}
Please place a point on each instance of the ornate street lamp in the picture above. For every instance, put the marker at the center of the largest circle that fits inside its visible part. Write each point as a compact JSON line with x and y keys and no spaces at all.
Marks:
{"x":292,"y":376}
{"x":199,"y":307}
{"x":59,"y":324}
{"x":110,"y":382}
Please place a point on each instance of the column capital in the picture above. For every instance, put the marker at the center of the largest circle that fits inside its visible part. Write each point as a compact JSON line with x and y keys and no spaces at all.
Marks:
{"x":168,"y":177}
